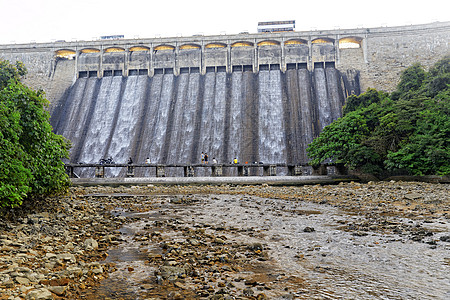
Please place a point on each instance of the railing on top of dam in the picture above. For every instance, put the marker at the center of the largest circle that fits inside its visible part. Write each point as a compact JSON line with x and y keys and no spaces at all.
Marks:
{"x":190,"y":170}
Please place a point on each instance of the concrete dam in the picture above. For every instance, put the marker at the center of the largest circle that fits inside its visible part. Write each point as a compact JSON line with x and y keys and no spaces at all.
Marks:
{"x":266,"y":117}
{"x":255,"y":97}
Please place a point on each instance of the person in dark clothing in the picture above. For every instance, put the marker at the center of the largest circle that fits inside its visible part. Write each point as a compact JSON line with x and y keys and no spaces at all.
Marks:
{"x":206,"y":158}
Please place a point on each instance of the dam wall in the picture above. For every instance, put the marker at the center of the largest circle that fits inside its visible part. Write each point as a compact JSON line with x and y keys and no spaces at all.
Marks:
{"x":258,"y":98}
{"x":367,"y":57}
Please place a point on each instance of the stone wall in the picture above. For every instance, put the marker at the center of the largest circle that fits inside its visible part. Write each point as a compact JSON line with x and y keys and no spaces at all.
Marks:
{"x":381,"y":55}
{"x":386,"y":53}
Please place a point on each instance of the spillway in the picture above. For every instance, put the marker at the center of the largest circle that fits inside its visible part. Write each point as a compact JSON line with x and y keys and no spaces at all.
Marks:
{"x":269,"y":116}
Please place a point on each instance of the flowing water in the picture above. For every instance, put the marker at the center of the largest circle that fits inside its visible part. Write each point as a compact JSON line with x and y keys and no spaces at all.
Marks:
{"x":270,"y":116}
{"x":325,"y":262}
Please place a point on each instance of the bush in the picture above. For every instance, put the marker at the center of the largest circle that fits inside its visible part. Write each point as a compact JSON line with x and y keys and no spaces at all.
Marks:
{"x":30,"y":153}
{"x":407,"y":130}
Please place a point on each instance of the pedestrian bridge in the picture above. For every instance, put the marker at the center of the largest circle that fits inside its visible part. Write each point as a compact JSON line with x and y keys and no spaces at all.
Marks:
{"x":209,"y":170}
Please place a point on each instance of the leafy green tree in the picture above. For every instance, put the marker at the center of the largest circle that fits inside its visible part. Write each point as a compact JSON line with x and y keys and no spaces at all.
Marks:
{"x":14,"y":177}
{"x":10,"y":73}
{"x":30,"y":153}
{"x":408,"y":130}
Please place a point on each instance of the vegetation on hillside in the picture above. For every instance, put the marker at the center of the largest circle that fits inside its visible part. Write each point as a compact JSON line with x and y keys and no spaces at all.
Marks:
{"x":407,"y":131}
{"x":30,"y":153}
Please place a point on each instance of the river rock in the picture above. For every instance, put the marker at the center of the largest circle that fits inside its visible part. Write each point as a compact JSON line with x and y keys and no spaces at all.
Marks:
{"x":172,"y":273}
{"x":445,"y":238}
{"x":58,"y":290}
{"x":22,"y":280}
{"x":90,"y":244}
{"x":308,"y":229}
{"x":66,"y":258}
{"x":39,"y":294}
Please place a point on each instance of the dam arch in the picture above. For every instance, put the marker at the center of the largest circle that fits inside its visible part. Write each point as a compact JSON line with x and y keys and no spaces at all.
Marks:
{"x":200,"y":83}
{"x":65,"y":53}
{"x":350,"y":42}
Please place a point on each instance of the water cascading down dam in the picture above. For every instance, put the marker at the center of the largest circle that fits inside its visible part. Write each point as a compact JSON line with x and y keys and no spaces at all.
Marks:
{"x":269,"y":116}
{"x":259,"y":97}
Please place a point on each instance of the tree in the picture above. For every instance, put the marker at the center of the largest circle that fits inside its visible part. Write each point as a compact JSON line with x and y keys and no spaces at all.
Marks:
{"x":408,"y":130}
{"x":30,"y":153}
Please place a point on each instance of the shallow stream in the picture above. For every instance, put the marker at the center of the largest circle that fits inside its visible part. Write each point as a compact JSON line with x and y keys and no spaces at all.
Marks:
{"x":313,"y":251}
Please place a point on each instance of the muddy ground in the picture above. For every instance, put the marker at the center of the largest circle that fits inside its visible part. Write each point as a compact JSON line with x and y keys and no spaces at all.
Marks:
{"x":383,"y":240}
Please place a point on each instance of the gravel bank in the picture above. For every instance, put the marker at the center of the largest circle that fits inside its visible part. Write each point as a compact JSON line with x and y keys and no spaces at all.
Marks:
{"x":230,"y":242}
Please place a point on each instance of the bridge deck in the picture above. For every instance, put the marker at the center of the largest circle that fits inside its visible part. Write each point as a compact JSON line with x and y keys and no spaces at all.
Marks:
{"x":217,"y":170}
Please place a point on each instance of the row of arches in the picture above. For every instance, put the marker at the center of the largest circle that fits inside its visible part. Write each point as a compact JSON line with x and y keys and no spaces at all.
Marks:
{"x":347,"y":42}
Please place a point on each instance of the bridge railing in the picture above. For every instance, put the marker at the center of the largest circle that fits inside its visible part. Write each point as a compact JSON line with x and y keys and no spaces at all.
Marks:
{"x":190,"y":170}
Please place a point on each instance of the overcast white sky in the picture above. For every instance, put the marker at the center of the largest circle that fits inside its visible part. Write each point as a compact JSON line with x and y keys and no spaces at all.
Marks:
{"x":49,"y":20}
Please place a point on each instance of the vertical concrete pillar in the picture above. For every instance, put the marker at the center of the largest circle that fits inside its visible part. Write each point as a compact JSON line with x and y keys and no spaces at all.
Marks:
{"x":100,"y":172}
{"x":270,"y":170}
{"x":319,"y":170}
{"x":310,"y":63}
{"x":100,"y":63}
{"x":228,"y":57}
{"x":125,"y":62}
{"x":77,"y":54}
{"x":69,"y":171}
{"x":295,"y":170}
{"x":130,"y":171}
{"x":216,"y":170}
{"x":176,"y":70}
{"x":151,"y":68}
{"x":240,"y":170}
{"x":283,"y":58}
{"x":202,"y":59}
{"x":189,"y":171}
{"x":255,"y":56}
{"x":364,"y":45}
{"x":160,"y":171}
{"x":336,"y":45}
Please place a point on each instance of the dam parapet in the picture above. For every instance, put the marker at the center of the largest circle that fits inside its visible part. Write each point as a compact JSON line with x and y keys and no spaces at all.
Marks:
{"x":378,"y":54}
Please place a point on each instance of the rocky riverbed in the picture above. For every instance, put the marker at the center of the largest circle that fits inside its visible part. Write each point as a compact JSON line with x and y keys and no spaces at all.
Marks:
{"x":383,"y":240}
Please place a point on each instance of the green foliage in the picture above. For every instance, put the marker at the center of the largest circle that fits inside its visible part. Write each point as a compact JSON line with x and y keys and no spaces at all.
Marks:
{"x":30,"y":153}
{"x":10,"y":73}
{"x":364,"y":100}
{"x":411,"y":79}
{"x":408,"y":130}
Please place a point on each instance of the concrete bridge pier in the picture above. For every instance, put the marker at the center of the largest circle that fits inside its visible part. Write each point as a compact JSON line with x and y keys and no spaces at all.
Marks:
{"x":160,"y":171}
{"x":217,"y":170}
{"x":270,"y":170}
{"x":189,"y":171}
{"x":296,"y":170}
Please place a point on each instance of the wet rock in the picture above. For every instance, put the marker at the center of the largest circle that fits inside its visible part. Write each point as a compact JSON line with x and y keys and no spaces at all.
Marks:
{"x":308,"y":229}
{"x":219,"y":240}
{"x":251,"y":282}
{"x":172,"y":273}
{"x":413,"y":196}
{"x":445,"y":238}
{"x":255,"y":247}
{"x":248,"y":292}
